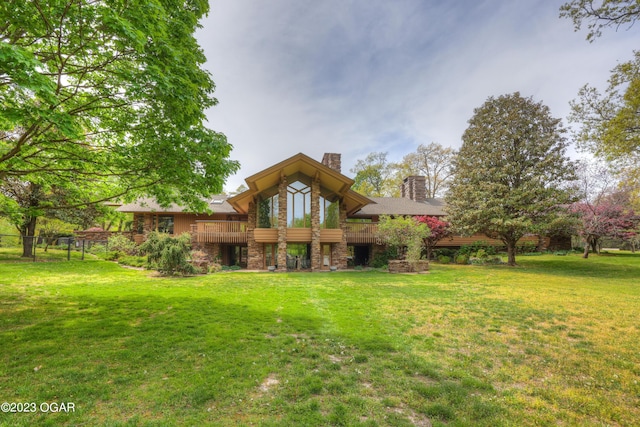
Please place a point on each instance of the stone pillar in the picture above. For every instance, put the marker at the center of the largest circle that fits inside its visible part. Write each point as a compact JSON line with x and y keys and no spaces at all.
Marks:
{"x":339,"y":250}
{"x":282,"y":224}
{"x":255,"y":251}
{"x":316,"y":248}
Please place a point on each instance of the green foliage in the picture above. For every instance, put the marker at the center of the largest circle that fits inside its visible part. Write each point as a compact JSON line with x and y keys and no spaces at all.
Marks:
{"x":381,"y":259}
{"x":374,"y":176}
{"x":104,"y":100}
{"x":609,"y":124}
{"x":462,"y":259}
{"x":404,"y":231}
{"x":511,"y":171}
{"x":169,"y":255}
{"x":527,"y":247}
{"x":477,"y":246}
{"x":123,"y":245}
{"x":444,"y":259}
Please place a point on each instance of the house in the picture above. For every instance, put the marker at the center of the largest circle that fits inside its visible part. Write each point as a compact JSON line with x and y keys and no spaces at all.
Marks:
{"x":296,"y":214}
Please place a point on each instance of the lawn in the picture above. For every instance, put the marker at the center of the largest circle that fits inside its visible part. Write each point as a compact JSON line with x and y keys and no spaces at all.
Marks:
{"x":551,"y":342}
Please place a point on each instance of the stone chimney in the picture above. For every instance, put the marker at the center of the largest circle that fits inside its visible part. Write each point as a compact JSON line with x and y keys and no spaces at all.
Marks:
{"x":415,"y":188}
{"x":333,"y":161}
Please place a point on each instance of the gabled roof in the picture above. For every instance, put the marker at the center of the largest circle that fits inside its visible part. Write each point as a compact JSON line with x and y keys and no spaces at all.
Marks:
{"x":217,"y":204}
{"x":401,"y":206}
{"x":330,"y":179}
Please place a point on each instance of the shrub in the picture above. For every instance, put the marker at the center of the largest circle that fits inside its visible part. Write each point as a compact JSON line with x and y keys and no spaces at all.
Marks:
{"x":381,"y":259}
{"x":462,"y":259}
{"x":443,"y":259}
{"x":527,"y":247}
{"x":97,"y":249}
{"x":122,"y":245}
{"x":169,"y":255}
{"x":451,"y":253}
{"x":476,"y":246}
{"x":215,"y":267}
{"x":200,"y":260}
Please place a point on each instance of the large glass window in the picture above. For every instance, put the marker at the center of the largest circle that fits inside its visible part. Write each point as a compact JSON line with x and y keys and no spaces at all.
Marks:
{"x":298,"y":205}
{"x":329,"y":213}
{"x":268,"y":212}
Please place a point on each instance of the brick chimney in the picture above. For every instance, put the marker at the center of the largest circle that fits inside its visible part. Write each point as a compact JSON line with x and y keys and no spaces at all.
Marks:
{"x":333,"y":161}
{"x":415,"y":188}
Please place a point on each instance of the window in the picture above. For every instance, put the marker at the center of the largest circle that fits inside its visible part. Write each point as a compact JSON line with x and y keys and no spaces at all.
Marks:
{"x":139,"y":224}
{"x":329,"y":213}
{"x":165,"y":224}
{"x":268,"y":212}
{"x":298,"y":205}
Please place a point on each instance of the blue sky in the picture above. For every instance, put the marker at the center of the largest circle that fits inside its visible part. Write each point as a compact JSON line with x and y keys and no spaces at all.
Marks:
{"x":356,"y":76}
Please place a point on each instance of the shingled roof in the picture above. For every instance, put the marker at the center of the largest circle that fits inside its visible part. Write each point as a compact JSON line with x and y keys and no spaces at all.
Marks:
{"x":401,"y":206}
{"x":217,"y":204}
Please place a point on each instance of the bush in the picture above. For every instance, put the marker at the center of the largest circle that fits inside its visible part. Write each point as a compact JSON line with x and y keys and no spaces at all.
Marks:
{"x":486,"y":260}
{"x":381,"y":259}
{"x":451,"y":253}
{"x":472,"y":249}
{"x":97,"y":249}
{"x":443,"y":259}
{"x":215,"y":267}
{"x":462,"y":259}
{"x":527,"y":247}
{"x":169,"y":255}
{"x":122,"y":245}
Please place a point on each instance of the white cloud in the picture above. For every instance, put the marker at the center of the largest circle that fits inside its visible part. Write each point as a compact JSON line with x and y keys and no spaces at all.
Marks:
{"x":356,"y":77}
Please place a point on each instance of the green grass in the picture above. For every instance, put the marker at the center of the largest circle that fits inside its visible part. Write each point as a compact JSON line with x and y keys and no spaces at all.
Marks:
{"x":551,"y":342}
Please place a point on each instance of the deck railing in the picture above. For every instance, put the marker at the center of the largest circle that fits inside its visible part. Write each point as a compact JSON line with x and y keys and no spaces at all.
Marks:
{"x":362,"y":232}
{"x":220,"y":231}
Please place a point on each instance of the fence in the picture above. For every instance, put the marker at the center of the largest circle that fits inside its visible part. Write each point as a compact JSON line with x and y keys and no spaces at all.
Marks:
{"x":13,"y":247}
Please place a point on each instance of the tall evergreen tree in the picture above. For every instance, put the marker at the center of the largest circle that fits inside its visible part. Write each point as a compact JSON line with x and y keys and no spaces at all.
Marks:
{"x":510,"y":172}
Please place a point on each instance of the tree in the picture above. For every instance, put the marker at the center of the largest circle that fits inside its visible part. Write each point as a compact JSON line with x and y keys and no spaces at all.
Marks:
{"x":610,"y":122}
{"x":106,"y":99}
{"x":432,"y":161}
{"x":605,"y":219}
{"x":601,"y":14}
{"x":510,"y":172}
{"x":404,"y":232}
{"x":375,"y":176}
{"x":438,"y":229}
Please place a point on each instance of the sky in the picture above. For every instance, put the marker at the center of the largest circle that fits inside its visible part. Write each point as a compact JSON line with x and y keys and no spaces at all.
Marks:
{"x":362,"y":76}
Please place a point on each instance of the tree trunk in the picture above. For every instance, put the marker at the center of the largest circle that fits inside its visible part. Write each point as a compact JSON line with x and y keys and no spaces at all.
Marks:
{"x":585,"y":255}
{"x":28,"y":231}
{"x":511,"y":253}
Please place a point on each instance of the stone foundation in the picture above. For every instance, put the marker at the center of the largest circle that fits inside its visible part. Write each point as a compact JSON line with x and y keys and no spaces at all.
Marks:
{"x":404,"y":266}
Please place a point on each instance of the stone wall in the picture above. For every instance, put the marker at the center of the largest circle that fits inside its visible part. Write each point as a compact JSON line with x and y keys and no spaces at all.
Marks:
{"x":404,"y":266}
{"x":339,"y":250}
{"x":282,"y":224}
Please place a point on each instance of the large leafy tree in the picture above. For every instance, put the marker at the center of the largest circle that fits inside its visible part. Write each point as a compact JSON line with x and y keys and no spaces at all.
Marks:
{"x":105,"y":99}
{"x":511,"y":171}
{"x":434,"y":162}
{"x":610,"y":121}
{"x":375,"y":176}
